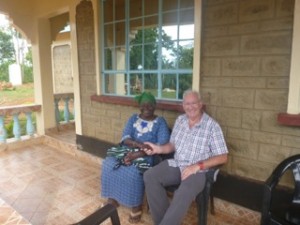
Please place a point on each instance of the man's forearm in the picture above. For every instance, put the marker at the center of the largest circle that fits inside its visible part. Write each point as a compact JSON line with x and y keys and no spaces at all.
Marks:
{"x":213,"y":161}
{"x":167,"y":148}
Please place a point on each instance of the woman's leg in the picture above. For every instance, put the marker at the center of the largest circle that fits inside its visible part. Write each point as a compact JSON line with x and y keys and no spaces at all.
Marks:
{"x":124,"y":184}
{"x":113,"y":202}
{"x":136,"y":214}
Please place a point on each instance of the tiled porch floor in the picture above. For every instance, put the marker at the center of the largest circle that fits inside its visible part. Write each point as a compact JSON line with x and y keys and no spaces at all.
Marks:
{"x":50,"y":186}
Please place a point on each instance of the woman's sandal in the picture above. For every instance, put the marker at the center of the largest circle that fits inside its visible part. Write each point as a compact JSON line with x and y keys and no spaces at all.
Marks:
{"x":135,"y":217}
{"x":113,"y":202}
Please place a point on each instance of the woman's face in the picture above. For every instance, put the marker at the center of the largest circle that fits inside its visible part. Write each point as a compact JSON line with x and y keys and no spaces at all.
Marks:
{"x":147,"y":110}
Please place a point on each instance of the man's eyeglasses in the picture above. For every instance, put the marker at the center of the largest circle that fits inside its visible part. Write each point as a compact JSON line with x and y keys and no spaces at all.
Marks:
{"x":190,"y":103}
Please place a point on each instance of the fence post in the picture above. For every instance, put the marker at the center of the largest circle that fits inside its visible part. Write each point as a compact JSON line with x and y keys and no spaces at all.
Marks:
{"x":56,"y":101}
{"x":29,"y":125}
{"x":66,"y":110}
{"x":3,"y":133}
{"x":16,"y":127}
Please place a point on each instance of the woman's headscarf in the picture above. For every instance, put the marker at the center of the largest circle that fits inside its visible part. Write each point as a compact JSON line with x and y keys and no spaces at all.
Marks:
{"x":145,"y":97}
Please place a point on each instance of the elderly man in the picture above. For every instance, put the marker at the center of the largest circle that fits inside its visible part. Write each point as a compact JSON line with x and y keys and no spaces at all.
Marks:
{"x":198,"y":144}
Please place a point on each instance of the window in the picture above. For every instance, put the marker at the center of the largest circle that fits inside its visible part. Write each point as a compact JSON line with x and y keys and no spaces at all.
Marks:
{"x":147,"y":45}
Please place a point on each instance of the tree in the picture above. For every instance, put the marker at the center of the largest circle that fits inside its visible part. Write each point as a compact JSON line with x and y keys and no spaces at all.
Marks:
{"x":27,"y":67}
{"x":144,"y":55}
{"x":6,"y":55}
{"x":6,"y":48}
{"x":13,"y":49}
{"x":148,"y":52}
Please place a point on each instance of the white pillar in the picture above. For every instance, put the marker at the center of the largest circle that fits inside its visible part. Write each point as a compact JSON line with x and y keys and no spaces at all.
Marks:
{"x":43,"y":82}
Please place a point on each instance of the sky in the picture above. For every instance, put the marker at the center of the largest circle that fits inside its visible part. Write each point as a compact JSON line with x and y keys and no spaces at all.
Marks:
{"x":3,"y":20}
{"x":20,"y":44}
{"x":186,"y":31}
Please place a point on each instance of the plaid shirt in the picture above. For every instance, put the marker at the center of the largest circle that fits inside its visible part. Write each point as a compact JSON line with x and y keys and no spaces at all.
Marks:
{"x":192,"y":145}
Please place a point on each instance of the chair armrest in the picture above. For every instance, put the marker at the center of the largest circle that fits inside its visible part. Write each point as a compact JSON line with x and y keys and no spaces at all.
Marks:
{"x":273,"y":180}
{"x":296,"y":172}
{"x":100,"y":215}
{"x":212,"y":174}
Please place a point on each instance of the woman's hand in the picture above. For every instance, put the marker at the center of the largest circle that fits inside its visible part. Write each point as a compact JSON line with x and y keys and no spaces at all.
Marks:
{"x":128,"y":158}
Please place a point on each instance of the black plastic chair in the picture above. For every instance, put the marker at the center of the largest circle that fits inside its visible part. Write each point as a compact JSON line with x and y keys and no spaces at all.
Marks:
{"x":100,"y":215}
{"x":285,"y":213}
{"x":202,"y":199}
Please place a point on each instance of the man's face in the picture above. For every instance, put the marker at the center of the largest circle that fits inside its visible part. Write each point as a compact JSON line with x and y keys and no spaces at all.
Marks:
{"x":192,"y":105}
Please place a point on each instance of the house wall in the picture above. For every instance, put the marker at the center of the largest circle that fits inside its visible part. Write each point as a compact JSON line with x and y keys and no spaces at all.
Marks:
{"x":245,"y":78}
{"x":245,"y":61}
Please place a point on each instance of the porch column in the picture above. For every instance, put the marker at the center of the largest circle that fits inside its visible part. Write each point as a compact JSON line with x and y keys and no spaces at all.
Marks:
{"x":75,"y":69}
{"x":43,"y":82}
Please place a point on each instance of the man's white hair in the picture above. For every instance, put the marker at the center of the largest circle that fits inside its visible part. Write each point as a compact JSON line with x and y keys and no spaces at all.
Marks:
{"x":190,"y":91}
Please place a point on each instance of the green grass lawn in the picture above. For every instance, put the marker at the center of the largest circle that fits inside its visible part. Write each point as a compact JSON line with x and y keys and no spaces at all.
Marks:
{"x":18,"y":95}
{"x":21,"y":95}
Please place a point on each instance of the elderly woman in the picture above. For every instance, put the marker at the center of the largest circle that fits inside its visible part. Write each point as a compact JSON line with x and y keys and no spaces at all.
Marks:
{"x":122,"y":170}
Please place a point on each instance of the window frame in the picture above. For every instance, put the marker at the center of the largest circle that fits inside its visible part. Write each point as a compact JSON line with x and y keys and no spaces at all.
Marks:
{"x":195,"y":70}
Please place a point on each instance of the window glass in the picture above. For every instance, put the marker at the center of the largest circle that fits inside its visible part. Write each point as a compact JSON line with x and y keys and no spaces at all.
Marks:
{"x":185,"y":55}
{"x":108,"y":59}
{"x":151,"y":7}
{"x":169,"y":55}
{"x":147,"y":45}
{"x":135,"y":8}
{"x":120,"y":34}
{"x":108,"y":11}
{"x":169,"y":85}
{"x":115,"y":83}
{"x":136,"y":57}
{"x":151,"y":83}
{"x":119,"y":9}
{"x":170,"y":5}
{"x":184,"y":83}
{"x":109,"y":35}
{"x":187,"y":4}
{"x":136,"y":83}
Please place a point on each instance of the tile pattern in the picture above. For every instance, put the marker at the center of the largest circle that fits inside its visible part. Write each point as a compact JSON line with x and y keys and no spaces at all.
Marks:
{"x":51,"y":182}
{"x":9,"y":216}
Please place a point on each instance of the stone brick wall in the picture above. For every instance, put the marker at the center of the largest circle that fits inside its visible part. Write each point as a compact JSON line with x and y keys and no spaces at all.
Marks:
{"x":246,"y":49}
{"x":245,"y":57}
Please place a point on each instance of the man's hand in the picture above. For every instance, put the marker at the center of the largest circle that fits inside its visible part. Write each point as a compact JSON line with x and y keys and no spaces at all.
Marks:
{"x":192,"y":169}
{"x":145,"y":147}
{"x":150,"y":148}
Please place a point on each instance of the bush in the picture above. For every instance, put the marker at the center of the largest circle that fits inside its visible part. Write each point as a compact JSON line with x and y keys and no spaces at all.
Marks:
{"x":9,"y":129}
{"x":28,"y":74}
{"x":62,"y":117}
{"x":4,"y":71}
